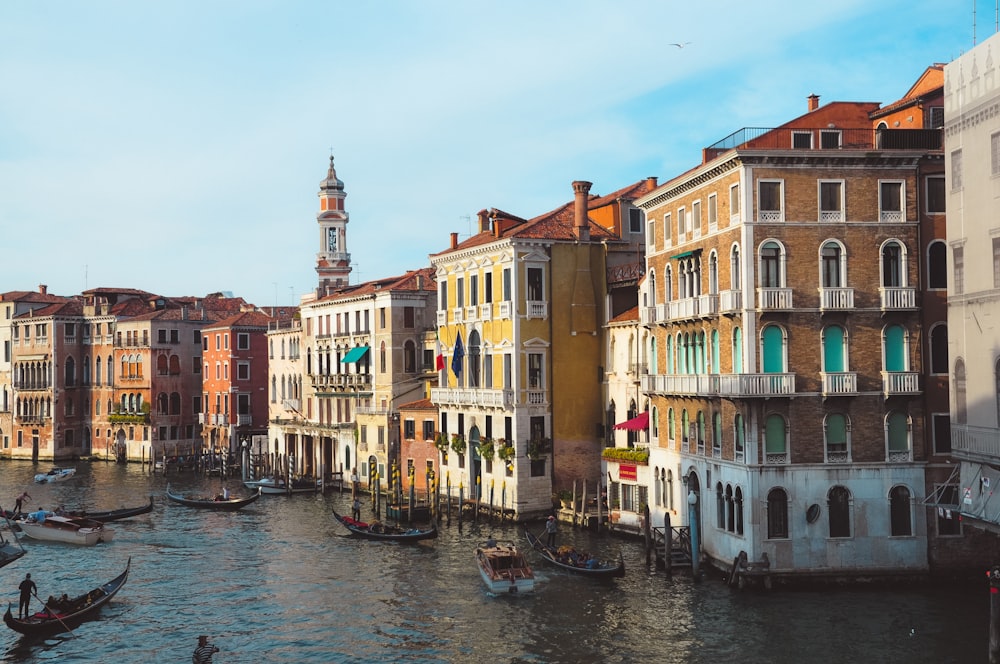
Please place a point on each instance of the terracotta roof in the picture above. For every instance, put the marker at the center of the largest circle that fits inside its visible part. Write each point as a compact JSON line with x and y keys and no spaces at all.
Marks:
{"x":420,"y":404}
{"x":63,"y":308}
{"x":404,"y":282}
{"x":630,"y":316}
{"x":30,"y":296}
{"x":245,"y":319}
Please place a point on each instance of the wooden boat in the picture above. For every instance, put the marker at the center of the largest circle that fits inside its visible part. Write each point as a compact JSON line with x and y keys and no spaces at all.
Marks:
{"x":76,"y":611}
{"x":55,"y":475}
{"x":114,"y":515}
{"x":67,"y":529}
{"x":10,"y":546}
{"x":279,"y":487}
{"x":504,"y":568}
{"x":584,"y":565}
{"x":213,"y":503}
{"x":387,"y":533}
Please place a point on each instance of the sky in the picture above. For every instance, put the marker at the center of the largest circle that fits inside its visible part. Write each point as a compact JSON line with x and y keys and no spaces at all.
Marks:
{"x":178,"y":147}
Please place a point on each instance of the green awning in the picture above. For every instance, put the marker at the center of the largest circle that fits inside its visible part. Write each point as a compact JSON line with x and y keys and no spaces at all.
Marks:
{"x":355,"y":354}
{"x":685,"y":254}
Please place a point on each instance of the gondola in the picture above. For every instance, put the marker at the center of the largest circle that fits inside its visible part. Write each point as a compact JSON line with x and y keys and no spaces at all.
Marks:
{"x":114,"y":515}
{"x":599,"y":568}
{"x":213,"y":503}
{"x":65,"y":618}
{"x":385,"y":533}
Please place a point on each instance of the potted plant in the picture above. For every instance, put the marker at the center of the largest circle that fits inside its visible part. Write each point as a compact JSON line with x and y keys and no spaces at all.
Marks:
{"x":565,"y":497}
{"x":538,"y":447}
{"x":505,"y":452}
{"x":486,"y":449}
{"x":458,"y":443}
{"x":441,"y":442}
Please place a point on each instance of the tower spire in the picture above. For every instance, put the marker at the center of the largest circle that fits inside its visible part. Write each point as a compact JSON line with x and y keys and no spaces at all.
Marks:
{"x":333,"y":263}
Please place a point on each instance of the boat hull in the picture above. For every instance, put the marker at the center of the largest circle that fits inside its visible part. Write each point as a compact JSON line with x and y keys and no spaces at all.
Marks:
{"x":217,"y":505}
{"x":68,"y":531}
{"x":602,"y":569}
{"x":55,"y":475}
{"x":504,"y":570}
{"x":403,"y":535}
{"x":269,"y":487}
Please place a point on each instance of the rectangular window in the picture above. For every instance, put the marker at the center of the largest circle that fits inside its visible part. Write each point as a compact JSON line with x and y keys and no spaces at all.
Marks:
{"x":935,"y":117}
{"x":956,"y":170}
{"x":769,"y":200}
{"x":635,"y":217}
{"x":243,"y":371}
{"x":242,"y":341}
{"x":995,"y":154}
{"x":802,"y":140}
{"x":175,"y":337}
{"x":460,"y":292}
{"x":696,"y":218}
{"x":713,"y":212}
{"x":941,"y":423}
{"x":443,"y":304}
{"x":218,"y":341}
{"x":651,"y":233}
{"x":488,"y":287}
{"x":831,"y":201}
{"x":474,"y":290}
{"x":535,"y":292}
{"x":196,"y":364}
{"x":890,"y":202}
{"x":534,"y":371}
{"x":681,"y":224}
{"x":506,"y":285}
{"x":409,"y":429}
{"x":70,"y":330}
{"x":161,"y":336}
{"x":242,"y":404}
{"x":734,"y":201}
{"x":381,"y":318}
{"x":829,"y":140}
{"x":428,"y":430}
{"x":996,"y":262}
{"x":935,"y":195}
{"x":958,"y":258}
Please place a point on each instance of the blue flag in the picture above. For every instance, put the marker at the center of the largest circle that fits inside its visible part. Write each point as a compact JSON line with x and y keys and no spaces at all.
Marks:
{"x":456,"y":360}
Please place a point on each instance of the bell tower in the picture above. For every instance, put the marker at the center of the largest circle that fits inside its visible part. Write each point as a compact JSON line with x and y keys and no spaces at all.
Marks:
{"x":333,"y":263}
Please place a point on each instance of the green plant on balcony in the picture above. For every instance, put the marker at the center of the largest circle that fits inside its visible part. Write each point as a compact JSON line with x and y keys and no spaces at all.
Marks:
{"x":487,"y":450}
{"x":505,"y":451}
{"x":636,"y":454}
{"x":458,"y":443}
{"x":538,"y":447}
{"x":441,"y":442}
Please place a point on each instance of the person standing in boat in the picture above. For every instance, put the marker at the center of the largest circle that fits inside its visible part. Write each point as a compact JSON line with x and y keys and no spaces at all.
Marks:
{"x":356,"y":509}
{"x":551,"y":528}
{"x":203,"y":653}
{"x":27,"y":588}
{"x":19,"y":501}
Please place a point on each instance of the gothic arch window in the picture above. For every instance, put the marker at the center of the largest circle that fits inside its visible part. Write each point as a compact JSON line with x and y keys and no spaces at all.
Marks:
{"x":777,"y":514}
{"x":734,"y":267}
{"x":839,"y":511}
{"x":900,"y":512}
{"x":97,"y":370}
{"x":720,"y":507}
{"x":739,"y":436}
{"x":937,"y":265}
{"x":738,"y":500}
{"x":713,"y":273}
{"x":86,"y":370}
{"x":651,"y":280}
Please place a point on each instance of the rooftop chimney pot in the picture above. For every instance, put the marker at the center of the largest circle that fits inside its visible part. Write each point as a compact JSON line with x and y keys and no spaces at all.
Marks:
{"x":813,"y":102}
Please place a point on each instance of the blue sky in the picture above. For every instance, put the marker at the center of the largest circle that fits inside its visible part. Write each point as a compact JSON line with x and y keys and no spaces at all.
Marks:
{"x":177,"y":147}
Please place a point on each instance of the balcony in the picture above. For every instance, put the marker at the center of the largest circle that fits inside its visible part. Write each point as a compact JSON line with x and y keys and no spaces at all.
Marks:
{"x":486,"y":311}
{"x":504,"y":309}
{"x":774,"y":299}
{"x":471,"y":312}
{"x":456,"y":314}
{"x":975,"y":443}
{"x":839,"y":383}
{"x":730,"y":385}
{"x":898,"y":298}
{"x":683,"y":309}
{"x":538,"y":309}
{"x":442,"y":317}
{"x":730,"y":301}
{"x":487,"y":398}
{"x":648,"y":316}
{"x":244,"y":420}
{"x":900,"y":383}
{"x":836,"y":299}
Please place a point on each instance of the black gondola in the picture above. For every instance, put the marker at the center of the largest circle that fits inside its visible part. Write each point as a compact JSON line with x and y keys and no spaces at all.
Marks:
{"x":385,"y":533}
{"x":114,"y":515}
{"x":213,"y":503}
{"x":56,"y":620}
{"x":599,"y":568}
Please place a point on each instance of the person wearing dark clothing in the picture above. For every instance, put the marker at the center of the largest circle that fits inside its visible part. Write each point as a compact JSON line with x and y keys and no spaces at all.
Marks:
{"x":356,"y":510}
{"x":203,"y":653}
{"x":550,"y":530}
{"x":19,"y":501}
{"x":27,"y":588}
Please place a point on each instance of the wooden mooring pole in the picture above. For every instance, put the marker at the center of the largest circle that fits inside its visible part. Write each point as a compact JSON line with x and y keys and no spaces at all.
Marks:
{"x":994,"y":577}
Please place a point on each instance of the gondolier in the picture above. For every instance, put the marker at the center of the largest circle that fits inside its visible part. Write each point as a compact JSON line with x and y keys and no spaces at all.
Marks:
{"x":551,"y":528}
{"x":24,"y":497}
{"x":203,"y":653}
{"x":27,"y":588}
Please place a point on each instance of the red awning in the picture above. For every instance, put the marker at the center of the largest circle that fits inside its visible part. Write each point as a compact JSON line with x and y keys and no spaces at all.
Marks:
{"x":640,"y":423}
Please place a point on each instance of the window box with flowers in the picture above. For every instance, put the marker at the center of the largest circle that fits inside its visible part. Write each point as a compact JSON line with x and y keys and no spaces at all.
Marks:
{"x":441,"y":442}
{"x":458,"y":443}
{"x":487,"y":449}
{"x":633,"y":454}
{"x":538,"y":447}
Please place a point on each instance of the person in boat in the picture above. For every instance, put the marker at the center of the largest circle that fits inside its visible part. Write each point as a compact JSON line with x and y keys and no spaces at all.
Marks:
{"x":203,"y":653}
{"x":356,"y":509}
{"x":61,"y":510}
{"x":27,"y":588}
{"x":19,"y":501}
{"x":376,"y":527}
{"x":491,"y":543}
{"x":39,"y":515}
{"x":551,"y":528}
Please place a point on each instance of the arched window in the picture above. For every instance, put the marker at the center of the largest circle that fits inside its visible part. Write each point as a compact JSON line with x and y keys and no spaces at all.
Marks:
{"x":671,"y":426}
{"x":654,"y":423}
{"x":737,"y":350}
{"x":832,"y":265}
{"x":775,"y":439}
{"x":739,"y":436}
{"x":162,"y":365}
{"x":720,"y":507}
{"x":900,"y":513}
{"x":717,"y":434}
{"x":70,"y":372}
{"x":715,"y":352}
{"x":777,"y":514}
{"x":773,"y":349}
{"x":893,"y":265}
{"x":939,"y":349}
{"x":175,"y":365}
{"x":670,"y":355}
{"x":475,"y":365}
{"x":734,"y":267}
{"x":730,"y":510}
{"x":937,"y":265}
{"x":409,"y":357}
{"x":738,"y":499}
{"x":381,"y":358}
{"x":834,"y":349}
{"x":668,"y":284}
{"x":771,"y":274}
{"x":894,"y":349}
{"x":86,"y":370}
{"x":897,"y":426}
{"x":713,"y":273}
{"x":836,"y":433}
{"x":97,"y":370}
{"x":839,"y":511}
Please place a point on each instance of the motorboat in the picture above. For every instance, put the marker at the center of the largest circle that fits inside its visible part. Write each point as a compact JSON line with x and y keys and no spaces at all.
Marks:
{"x":52,"y":527}
{"x":55,"y":475}
{"x":278,"y":486}
{"x":504,"y":568}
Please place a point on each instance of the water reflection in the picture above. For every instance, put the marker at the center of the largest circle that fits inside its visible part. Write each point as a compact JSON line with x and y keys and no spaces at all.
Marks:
{"x":280,"y":579}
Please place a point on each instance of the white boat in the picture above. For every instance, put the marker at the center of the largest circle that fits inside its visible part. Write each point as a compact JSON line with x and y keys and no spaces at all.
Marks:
{"x":504,"y":568}
{"x":270,"y":485}
{"x":68,"y":529}
{"x":55,"y":475}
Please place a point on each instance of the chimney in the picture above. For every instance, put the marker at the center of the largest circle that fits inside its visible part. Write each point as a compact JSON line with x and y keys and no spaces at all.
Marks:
{"x":43,"y":289}
{"x":184,"y":312}
{"x":813,"y":102}
{"x":454,"y":240}
{"x":651,"y":183}
{"x":484,"y":221}
{"x":420,"y":282}
{"x":581,"y":228}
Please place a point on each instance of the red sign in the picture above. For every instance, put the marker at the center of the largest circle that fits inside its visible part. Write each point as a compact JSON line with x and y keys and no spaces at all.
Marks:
{"x":627,"y":472}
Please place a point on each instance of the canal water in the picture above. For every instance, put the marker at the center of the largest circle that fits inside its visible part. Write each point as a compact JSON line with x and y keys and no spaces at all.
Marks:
{"x":280,"y":580}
